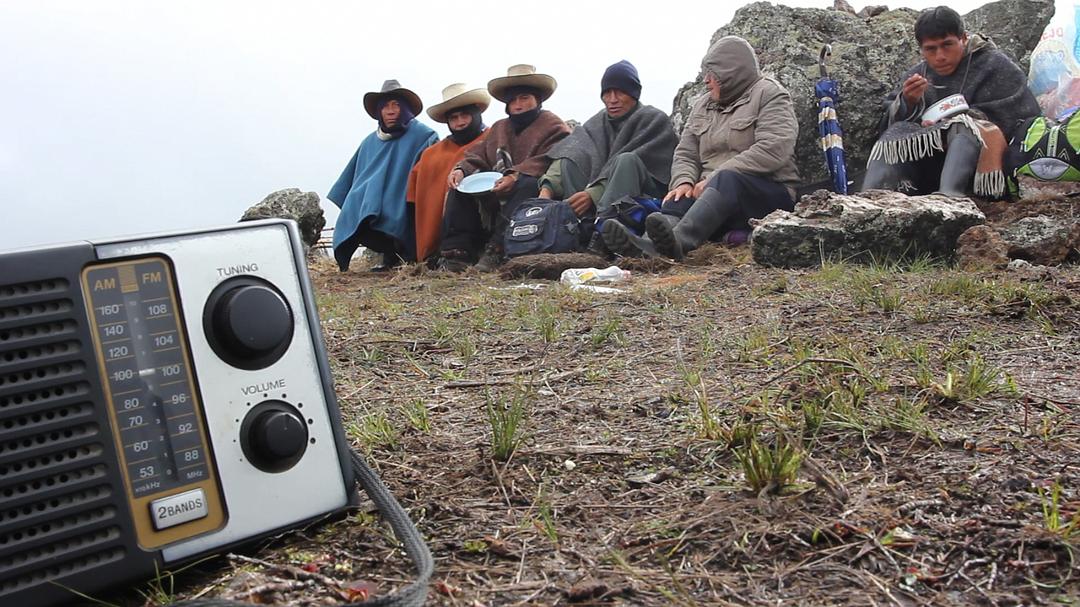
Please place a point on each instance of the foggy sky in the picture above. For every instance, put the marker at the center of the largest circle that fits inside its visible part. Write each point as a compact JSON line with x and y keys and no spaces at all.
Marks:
{"x":125,"y":117}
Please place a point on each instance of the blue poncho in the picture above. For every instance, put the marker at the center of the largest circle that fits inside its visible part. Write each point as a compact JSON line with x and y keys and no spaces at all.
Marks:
{"x":371,"y":192}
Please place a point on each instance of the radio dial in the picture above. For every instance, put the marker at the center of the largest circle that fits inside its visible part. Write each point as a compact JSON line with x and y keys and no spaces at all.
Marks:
{"x":249,"y":323}
{"x":274,"y":436}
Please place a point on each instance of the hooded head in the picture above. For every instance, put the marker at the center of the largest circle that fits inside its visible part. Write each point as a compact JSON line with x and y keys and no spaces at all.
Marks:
{"x":732,"y":62}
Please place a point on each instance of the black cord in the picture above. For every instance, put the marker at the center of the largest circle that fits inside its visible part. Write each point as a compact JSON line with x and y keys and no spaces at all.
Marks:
{"x":413,"y":595}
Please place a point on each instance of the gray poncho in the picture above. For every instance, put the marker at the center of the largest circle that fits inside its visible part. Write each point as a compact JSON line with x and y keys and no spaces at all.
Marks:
{"x":593,"y":146}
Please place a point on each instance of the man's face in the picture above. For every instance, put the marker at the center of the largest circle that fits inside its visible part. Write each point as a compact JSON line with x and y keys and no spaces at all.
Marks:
{"x":617,"y":103}
{"x":943,"y":54}
{"x":713,"y":85}
{"x":522,"y":102}
{"x":390,"y":113}
{"x":458,"y":120}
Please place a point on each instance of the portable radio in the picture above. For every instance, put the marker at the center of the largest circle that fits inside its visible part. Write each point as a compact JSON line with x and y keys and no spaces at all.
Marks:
{"x":161,"y":398}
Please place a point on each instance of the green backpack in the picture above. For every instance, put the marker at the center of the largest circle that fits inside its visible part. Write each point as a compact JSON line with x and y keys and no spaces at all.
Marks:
{"x":1049,"y":151}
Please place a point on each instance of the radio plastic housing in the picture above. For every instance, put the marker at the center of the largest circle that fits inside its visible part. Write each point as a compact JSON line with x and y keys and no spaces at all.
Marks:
{"x":68,"y":518}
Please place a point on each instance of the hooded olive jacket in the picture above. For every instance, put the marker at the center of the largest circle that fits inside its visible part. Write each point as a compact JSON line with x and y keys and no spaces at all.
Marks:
{"x":750,"y":130}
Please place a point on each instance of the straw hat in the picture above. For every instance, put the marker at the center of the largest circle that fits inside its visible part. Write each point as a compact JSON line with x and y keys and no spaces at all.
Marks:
{"x":391,"y":87}
{"x":522,"y":75}
{"x":455,"y":96}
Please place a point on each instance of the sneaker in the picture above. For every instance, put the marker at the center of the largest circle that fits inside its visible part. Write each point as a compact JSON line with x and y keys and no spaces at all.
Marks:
{"x":491,"y":259}
{"x":623,"y":242}
{"x":662,"y":233}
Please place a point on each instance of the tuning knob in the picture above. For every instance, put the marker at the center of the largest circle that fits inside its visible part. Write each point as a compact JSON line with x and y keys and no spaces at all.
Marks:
{"x":248,"y":323}
{"x":273,"y":436}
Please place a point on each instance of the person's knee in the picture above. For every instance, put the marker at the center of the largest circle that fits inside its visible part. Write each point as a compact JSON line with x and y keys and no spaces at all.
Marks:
{"x":724,"y":181}
{"x":961,"y":137}
{"x":626,"y":158}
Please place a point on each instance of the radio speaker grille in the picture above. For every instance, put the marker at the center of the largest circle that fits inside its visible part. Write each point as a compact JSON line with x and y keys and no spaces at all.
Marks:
{"x":58,"y":513}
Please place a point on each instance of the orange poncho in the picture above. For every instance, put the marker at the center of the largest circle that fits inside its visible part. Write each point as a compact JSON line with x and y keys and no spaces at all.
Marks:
{"x":427,"y":191}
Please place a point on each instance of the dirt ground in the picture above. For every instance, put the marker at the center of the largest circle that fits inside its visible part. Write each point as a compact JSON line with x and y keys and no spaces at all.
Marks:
{"x":714,"y":433}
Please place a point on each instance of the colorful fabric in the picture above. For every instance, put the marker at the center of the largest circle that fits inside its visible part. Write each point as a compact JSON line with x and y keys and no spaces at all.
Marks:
{"x":371,"y":191}
{"x":427,"y":191}
{"x":1048,"y":151}
{"x":831,"y":135}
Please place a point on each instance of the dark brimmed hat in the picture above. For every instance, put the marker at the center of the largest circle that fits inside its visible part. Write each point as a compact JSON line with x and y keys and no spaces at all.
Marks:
{"x":391,"y":88}
{"x":522,"y":75}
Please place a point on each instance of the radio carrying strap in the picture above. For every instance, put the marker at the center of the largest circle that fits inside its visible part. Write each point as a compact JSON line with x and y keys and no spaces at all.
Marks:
{"x":412,"y":595}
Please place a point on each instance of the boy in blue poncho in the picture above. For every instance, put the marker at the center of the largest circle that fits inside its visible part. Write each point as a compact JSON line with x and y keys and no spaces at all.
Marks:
{"x":371,"y":189}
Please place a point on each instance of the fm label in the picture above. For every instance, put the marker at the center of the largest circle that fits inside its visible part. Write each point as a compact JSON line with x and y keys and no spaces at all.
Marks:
{"x":244,"y":268}
{"x":270,"y":386}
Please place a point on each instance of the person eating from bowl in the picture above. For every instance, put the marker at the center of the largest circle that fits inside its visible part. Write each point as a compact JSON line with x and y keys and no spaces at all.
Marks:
{"x":460,"y":110}
{"x":625,"y":149}
{"x":515,"y":147}
{"x":947,"y":125}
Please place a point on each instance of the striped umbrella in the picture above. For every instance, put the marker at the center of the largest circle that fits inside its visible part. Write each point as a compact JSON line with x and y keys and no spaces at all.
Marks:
{"x":827,"y":91}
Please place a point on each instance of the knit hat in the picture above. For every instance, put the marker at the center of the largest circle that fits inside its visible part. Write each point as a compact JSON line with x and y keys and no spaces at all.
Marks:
{"x":623,"y":76}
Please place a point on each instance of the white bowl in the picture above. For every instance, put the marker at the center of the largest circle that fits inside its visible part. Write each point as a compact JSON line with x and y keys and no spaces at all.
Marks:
{"x":945,"y":108}
{"x":478,"y":183}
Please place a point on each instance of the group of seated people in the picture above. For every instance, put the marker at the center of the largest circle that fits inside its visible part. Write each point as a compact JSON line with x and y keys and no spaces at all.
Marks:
{"x":734,"y":161}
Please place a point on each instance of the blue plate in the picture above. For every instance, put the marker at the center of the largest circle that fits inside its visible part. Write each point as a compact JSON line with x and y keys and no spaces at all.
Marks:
{"x":478,"y":183}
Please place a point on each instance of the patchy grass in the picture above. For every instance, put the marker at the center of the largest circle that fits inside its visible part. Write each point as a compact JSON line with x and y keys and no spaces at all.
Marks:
{"x":894,"y":433}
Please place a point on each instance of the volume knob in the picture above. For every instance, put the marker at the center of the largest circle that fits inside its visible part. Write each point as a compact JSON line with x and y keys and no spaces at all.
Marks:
{"x":248,"y":323}
{"x":273,"y":436}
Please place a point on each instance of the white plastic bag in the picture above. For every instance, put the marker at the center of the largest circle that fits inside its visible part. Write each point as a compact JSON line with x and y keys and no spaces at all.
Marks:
{"x":1054,"y":76}
{"x":580,"y":276}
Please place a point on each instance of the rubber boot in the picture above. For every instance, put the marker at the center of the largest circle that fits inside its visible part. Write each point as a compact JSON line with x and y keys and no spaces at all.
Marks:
{"x":703,"y":219}
{"x":961,"y":159}
{"x":881,"y":176}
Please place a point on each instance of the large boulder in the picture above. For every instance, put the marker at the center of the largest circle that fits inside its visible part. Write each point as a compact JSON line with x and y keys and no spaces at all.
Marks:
{"x":872,"y":225}
{"x":291,"y":203}
{"x":869,"y":54}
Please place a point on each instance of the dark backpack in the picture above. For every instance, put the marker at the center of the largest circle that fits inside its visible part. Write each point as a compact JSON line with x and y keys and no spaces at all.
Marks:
{"x":539,"y":225}
{"x":630,"y":211}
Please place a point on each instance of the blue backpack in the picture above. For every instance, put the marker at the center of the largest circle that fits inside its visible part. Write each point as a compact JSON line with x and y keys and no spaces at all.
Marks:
{"x":539,"y":225}
{"x":630,"y":211}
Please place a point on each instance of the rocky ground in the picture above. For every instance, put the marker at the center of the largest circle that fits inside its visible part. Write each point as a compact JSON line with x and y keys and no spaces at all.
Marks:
{"x":714,"y":433}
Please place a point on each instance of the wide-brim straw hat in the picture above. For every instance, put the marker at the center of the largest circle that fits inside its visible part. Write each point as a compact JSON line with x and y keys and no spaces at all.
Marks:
{"x":391,"y":87}
{"x":455,"y":96}
{"x":522,"y":75}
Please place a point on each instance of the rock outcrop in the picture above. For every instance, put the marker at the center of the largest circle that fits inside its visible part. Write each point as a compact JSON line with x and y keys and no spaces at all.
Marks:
{"x":870,"y":52}
{"x":1042,"y":240}
{"x":291,"y":203}
{"x":872,"y":225}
